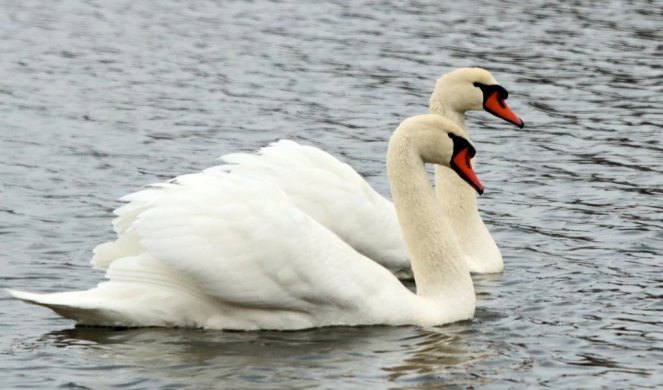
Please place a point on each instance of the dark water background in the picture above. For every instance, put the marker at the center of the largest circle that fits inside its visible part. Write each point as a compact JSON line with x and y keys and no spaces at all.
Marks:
{"x":98,"y":98}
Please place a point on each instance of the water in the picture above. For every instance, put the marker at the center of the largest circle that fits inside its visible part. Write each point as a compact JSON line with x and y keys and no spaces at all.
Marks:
{"x":98,"y":98}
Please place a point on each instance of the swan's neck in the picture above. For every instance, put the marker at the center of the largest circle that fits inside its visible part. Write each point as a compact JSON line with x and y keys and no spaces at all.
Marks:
{"x":458,"y":200}
{"x":437,"y":259}
{"x":438,"y":106}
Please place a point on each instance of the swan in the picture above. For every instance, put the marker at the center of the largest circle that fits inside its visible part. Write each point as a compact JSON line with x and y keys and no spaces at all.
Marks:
{"x":222,"y":251}
{"x":369,"y":223}
{"x":451,"y":98}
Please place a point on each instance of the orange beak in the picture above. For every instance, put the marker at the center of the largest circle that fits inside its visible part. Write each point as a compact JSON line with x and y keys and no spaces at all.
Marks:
{"x":460,"y":163}
{"x":496,"y":105}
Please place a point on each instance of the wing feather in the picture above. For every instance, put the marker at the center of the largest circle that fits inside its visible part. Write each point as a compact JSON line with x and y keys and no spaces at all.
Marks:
{"x":244,"y":243}
{"x":332,"y":193}
{"x":329,"y":191}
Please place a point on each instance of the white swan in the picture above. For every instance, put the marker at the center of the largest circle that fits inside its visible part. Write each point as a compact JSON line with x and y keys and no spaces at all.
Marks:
{"x":360,"y":216}
{"x":469,"y":89}
{"x":223,"y":251}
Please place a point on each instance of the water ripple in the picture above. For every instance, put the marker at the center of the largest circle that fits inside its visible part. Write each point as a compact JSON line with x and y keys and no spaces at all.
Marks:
{"x":100,"y":98}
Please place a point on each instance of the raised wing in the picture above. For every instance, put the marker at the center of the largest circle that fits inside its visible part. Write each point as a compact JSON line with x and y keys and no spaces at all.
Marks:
{"x":128,"y":241}
{"x":245,"y":244}
{"x":333,"y":194}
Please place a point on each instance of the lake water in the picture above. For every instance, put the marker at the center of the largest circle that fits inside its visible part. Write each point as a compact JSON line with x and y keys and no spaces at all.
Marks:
{"x":99,"y":98}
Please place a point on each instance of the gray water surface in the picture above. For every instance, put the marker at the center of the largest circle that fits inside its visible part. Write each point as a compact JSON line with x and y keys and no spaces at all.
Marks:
{"x":99,"y":98}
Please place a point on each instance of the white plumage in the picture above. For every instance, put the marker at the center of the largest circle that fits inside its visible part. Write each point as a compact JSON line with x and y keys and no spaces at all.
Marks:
{"x":217,"y":250}
{"x":333,"y":194}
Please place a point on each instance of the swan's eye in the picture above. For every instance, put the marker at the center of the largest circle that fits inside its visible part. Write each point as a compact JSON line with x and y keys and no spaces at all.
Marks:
{"x":477,"y":84}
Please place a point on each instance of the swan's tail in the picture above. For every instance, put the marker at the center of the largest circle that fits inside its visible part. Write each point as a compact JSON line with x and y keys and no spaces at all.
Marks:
{"x":124,"y":305}
{"x":141,"y":292}
{"x":81,"y":306}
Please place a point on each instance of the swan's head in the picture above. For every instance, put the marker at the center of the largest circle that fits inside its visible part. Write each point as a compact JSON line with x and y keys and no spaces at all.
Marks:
{"x":438,"y":141}
{"x":461,"y":161}
{"x":468,"y":89}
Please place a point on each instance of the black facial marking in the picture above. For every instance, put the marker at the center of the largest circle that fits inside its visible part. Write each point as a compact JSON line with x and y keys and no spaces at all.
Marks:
{"x":461,"y":143}
{"x":489,"y":89}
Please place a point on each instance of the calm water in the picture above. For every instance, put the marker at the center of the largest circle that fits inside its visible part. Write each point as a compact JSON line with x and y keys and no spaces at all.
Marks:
{"x":98,"y":98}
